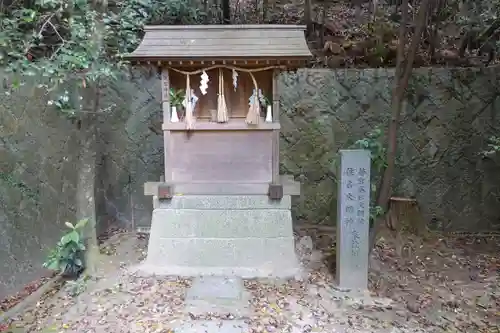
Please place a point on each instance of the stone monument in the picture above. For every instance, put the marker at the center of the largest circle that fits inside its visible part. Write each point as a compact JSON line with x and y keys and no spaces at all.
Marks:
{"x":353,"y":223}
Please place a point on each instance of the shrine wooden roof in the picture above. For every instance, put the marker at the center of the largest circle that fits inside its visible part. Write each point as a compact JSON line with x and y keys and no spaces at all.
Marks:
{"x":222,"y":42}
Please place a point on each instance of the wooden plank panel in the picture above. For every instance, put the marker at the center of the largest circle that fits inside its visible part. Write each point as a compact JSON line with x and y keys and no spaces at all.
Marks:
{"x":221,"y":156}
{"x":245,"y":62}
{"x":276,"y":96}
{"x":164,"y":54}
{"x":167,"y":157}
{"x":231,"y":27}
{"x":232,"y":125}
{"x":276,"y":156}
{"x":223,"y":41}
{"x":244,"y":34}
{"x":209,"y":42}
{"x":276,"y":132}
{"x":165,"y":96}
{"x":224,"y":47}
{"x":220,"y":50}
{"x":277,"y":47}
{"x":290,"y":187}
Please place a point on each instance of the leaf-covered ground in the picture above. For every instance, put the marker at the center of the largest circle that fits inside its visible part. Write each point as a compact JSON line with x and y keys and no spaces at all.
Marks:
{"x":11,"y":301}
{"x":438,"y":286}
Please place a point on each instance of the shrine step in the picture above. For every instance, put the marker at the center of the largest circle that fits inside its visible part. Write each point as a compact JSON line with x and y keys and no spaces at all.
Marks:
{"x":231,"y":256}
{"x":233,"y":202}
{"x":222,"y":223}
{"x":219,"y":295}
{"x":246,"y":236}
{"x":213,"y":326}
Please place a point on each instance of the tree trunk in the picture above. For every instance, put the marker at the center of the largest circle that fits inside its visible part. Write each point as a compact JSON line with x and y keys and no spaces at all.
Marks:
{"x":226,"y":12}
{"x":205,"y":8}
{"x":434,"y":41}
{"x":265,"y":5}
{"x":322,"y":20}
{"x":87,"y":178}
{"x":357,"y":9}
{"x":400,"y":86}
{"x":308,"y":18}
{"x":86,"y":205}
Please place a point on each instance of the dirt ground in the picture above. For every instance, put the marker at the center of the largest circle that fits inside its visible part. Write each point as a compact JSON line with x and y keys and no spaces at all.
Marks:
{"x":437,"y":285}
{"x":445,"y":284}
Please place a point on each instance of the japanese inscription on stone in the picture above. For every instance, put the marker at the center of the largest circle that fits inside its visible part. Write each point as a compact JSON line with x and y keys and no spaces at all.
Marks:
{"x":353,"y":219}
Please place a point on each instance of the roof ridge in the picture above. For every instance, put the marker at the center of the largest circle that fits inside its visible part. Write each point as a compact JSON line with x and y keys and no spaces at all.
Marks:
{"x":270,"y":41}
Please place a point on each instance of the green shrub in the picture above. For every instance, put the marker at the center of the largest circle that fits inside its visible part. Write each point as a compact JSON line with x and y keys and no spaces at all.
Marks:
{"x":67,"y":257}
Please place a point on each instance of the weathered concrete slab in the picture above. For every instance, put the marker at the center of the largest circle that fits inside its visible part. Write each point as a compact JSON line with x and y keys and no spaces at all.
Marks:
{"x":215,"y":287}
{"x":145,"y":269}
{"x":245,"y":257}
{"x":214,"y":235}
{"x":232,"y":202}
{"x":214,"y":326}
{"x":217,"y":294}
{"x":223,"y":223}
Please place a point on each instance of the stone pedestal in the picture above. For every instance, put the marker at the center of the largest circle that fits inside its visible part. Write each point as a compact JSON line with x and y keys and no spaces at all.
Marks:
{"x":244,"y":236}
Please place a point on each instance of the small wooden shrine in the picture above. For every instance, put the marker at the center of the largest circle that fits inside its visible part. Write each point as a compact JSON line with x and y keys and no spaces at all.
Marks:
{"x":212,"y":213}
{"x":221,"y":106}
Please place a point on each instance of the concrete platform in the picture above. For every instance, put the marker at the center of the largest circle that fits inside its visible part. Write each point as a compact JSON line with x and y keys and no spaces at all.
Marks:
{"x":245,"y":236}
{"x":213,"y":326}
{"x":218,"y":295}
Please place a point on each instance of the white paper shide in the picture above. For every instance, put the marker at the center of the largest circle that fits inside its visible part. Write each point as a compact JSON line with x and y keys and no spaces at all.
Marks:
{"x":174,"y":117}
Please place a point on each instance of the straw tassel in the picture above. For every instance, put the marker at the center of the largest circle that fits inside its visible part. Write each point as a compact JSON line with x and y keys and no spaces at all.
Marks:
{"x":189,"y":110}
{"x":253,"y":115}
{"x":222,"y":116}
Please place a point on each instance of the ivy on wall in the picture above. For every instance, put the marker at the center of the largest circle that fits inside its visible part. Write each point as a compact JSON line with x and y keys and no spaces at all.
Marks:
{"x":12,"y":182}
